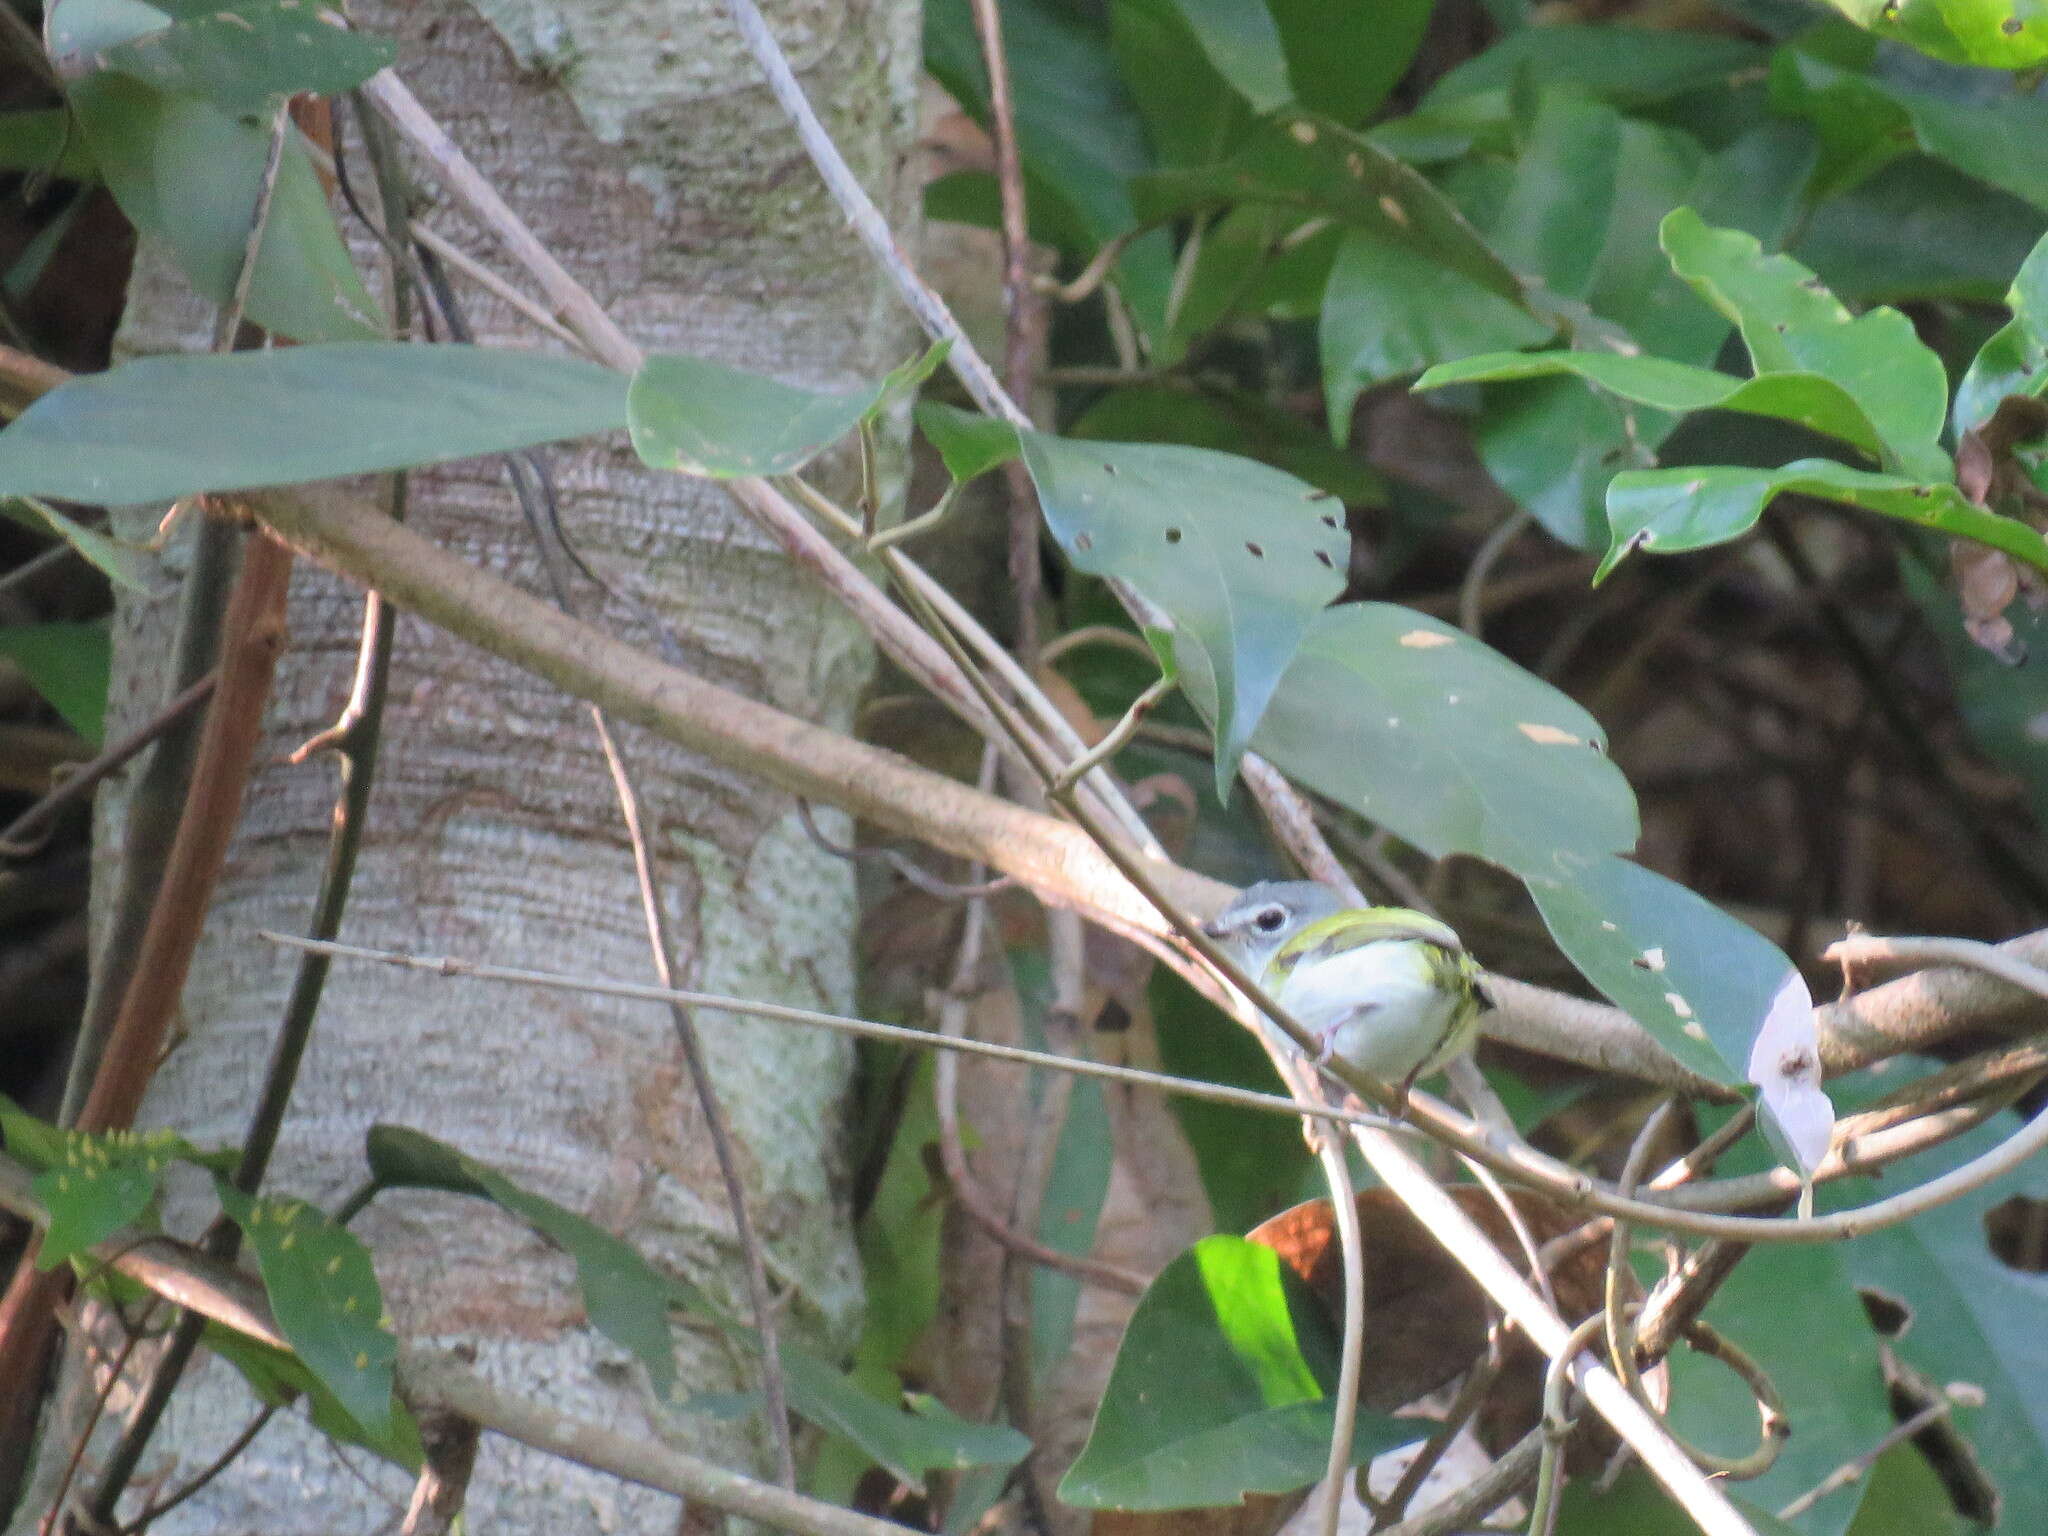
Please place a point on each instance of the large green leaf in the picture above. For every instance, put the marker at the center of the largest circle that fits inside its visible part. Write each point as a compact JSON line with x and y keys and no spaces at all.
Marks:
{"x":169,"y":426}
{"x":1807,"y":399}
{"x":1221,"y":1387}
{"x":1392,"y":309}
{"x":1242,"y":42}
{"x":1308,"y":162}
{"x":1918,"y":230}
{"x":1446,"y":743}
{"x":705,"y":418}
{"x":324,"y":1294}
{"x":1080,"y":135}
{"x":1996,"y":34}
{"x":191,"y":176}
{"x":1794,"y":1310}
{"x":1630,"y":66}
{"x":1345,"y":59}
{"x":1239,"y":555}
{"x":245,"y":55}
{"x":1553,"y":446}
{"x":1792,"y":324}
{"x":1974,"y":1318}
{"x":1670,"y":510}
{"x":67,"y":664}
{"x":1694,"y":977}
{"x":2015,"y":360}
{"x":277,"y":1377}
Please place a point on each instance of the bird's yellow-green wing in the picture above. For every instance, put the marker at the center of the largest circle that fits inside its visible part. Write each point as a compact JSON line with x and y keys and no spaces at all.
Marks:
{"x":1356,"y":926}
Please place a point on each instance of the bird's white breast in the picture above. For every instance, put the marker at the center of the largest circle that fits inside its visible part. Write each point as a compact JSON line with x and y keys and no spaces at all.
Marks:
{"x":1387,"y":1011}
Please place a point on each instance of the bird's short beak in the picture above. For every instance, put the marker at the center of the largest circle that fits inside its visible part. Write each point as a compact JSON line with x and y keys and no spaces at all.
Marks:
{"x":1213,"y":930}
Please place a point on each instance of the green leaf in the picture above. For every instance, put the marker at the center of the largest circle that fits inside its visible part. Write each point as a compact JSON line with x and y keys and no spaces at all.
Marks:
{"x":123,"y":564}
{"x":1669,"y":510}
{"x":1190,"y":111}
{"x":1994,"y":34}
{"x":1807,"y":399}
{"x":169,"y":426}
{"x":1794,"y":1310}
{"x":92,"y":1196}
{"x":1446,"y":743}
{"x":190,"y":175}
{"x":1629,"y":66}
{"x":1906,"y":1498}
{"x":323,"y":1293}
{"x":1221,"y":1387}
{"x":1308,"y":162}
{"x":1792,"y":324}
{"x":1080,"y":135}
{"x":1345,"y":60}
{"x":908,"y":1444}
{"x":1636,"y":1506}
{"x":1239,"y":555}
{"x":247,"y":54}
{"x":1698,"y":980}
{"x":1241,"y":41}
{"x":46,"y":142}
{"x":1393,"y":309}
{"x":67,"y":664}
{"x":1918,"y":230}
{"x":1996,"y":140}
{"x":278,"y":1377}
{"x":1975,"y":1319}
{"x":704,"y":418}
{"x":1554,"y":446}
{"x":627,"y":1299}
{"x":2015,"y":360}
{"x":968,"y":442}
{"x":1230,"y":421}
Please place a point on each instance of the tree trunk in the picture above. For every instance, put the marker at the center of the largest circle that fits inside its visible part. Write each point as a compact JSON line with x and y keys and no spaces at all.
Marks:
{"x":636,"y":140}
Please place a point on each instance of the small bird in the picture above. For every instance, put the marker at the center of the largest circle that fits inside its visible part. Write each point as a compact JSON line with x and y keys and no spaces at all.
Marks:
{"x":1386,"y":990}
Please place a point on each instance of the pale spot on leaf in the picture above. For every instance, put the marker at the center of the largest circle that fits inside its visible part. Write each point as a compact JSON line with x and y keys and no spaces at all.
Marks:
{"x":1694,"y":1031}
{"x":1304,"y":133}
{"x":1424,"y":639}
{"x":1548,"y":735}
{"x":1679,"y":1005}
{"x":1653,"y":959}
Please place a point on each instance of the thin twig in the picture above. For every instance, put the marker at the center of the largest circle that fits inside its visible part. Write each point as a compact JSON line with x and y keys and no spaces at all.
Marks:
{"x":1850,"y":1471}
{"x":1472,"y":592}
{"x":1508,"y":1476}
{"x":449,"y":965}
{"x":25,"y":833}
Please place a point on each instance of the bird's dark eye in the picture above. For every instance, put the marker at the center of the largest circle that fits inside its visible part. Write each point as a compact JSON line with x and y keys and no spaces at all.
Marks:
{"x":1270,"y":919}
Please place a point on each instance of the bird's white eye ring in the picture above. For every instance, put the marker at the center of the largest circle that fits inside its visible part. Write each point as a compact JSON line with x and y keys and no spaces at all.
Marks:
{"x":1270,"y":919}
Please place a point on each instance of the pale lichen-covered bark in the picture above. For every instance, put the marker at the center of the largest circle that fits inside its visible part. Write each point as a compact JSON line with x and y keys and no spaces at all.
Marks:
{"x":635,"y":140}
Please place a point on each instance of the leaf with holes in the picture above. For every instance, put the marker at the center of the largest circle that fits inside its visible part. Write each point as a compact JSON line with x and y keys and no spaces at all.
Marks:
{"x":1307,"y":162}
{"x":1670,"y":510}
{"x":163,"y":427}
{"x":1698,"y":980}
{"x":1229,"y":1317}
{"x":1792,"y":324}
{"x":1446,"y":743}
{"x":324,"y":1294}
{"x":1240,"y":556}
{"x":704,"y":418}
{"x":1975,"y":1316}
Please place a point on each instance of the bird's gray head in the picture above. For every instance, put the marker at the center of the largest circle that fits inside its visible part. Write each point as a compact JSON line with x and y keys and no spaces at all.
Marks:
{"x":1267,"y":915}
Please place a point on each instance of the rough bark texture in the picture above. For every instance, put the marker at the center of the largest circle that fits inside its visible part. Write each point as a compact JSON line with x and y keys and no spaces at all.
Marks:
{"x":635,"y":140}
